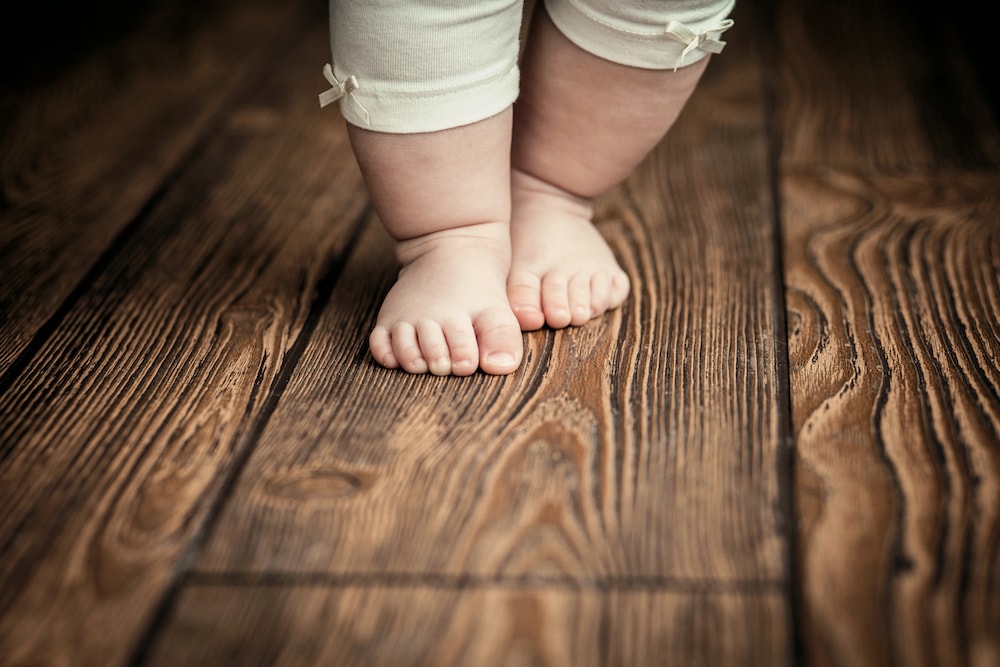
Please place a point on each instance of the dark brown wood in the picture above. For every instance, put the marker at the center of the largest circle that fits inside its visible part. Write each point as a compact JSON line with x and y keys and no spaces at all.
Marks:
{"x":894,"y":305}
{"x":82,"y":154}
{"x":599,"y":464}
{"x":199,"y":464}
{"x":554,"y":472}
{"x":375,"y":625}
{"x":890,"y":207}
{"x":125,"y":427}
{"x":884,"y":83}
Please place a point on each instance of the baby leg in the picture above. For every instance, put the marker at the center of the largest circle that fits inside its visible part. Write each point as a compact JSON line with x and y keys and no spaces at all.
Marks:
{"x":585,"y":118}
{"x":426,"y":88}
{"x":444,"y":197}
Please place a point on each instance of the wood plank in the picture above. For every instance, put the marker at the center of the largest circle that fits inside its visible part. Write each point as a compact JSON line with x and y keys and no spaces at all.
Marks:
{"x":894,"y":318}
{"x":641,"y":447}
{"x":394,"y":626}
{"x":877,"y":83}
{"x":82,"y":154}
{"x":132,"y":417}
{"x":889,"y":200}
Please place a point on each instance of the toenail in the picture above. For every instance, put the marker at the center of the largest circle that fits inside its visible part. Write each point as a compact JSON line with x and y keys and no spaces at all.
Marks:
{"x":500,"y":359}
{"x":462,"y":365}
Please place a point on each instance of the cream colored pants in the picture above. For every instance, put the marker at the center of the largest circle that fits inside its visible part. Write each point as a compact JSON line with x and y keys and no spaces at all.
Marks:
{"x":407,"y":66}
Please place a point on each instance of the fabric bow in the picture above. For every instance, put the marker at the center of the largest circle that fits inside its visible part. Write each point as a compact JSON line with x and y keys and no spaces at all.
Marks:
{"x":707,"y":40}
{"x":341,"y":89}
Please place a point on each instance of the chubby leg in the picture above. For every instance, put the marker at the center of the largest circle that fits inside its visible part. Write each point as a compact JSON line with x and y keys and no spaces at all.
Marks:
{"x":426,"y":88}
{"x":445,"y":198}
{"x":582,"y":124}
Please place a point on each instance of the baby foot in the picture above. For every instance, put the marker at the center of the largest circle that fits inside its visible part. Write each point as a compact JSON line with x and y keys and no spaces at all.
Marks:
{"x":448,"y":311}
{"x":562,"y":271}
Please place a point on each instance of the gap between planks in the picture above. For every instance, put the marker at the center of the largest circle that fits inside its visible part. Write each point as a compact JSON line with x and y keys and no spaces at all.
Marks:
{"x":446,"y":582}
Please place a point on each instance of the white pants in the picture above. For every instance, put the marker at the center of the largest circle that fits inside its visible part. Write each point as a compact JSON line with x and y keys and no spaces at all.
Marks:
{"x":424,"y":65}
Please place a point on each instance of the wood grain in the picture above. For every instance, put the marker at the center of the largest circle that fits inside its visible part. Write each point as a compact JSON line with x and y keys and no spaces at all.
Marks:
{"x":603,"y":459}
{"x":81,"y":155}
{"x":894,"y":305}
{"x":878,"y":83}
{"x":375,"y":626}
{"x":127,"y":424}
{"x":889,"y":200}
{"x":183,"y":318}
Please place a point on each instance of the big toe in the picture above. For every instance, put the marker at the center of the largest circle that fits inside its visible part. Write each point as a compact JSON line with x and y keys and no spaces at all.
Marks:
{"x":524,"y":292}
{"x":500,"y":346}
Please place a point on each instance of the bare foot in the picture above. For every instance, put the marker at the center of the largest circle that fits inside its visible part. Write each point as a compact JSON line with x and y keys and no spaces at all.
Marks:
{"x":562,"y":271}
{"x":448,"y":311}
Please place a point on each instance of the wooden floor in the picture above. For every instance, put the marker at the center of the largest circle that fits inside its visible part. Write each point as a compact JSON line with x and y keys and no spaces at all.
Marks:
{"x":783,"y":450}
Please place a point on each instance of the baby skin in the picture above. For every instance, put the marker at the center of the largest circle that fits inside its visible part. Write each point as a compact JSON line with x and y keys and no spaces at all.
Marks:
{"x":492,"y":221}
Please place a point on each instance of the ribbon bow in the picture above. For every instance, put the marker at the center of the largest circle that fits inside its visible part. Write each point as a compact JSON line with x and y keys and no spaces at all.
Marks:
{"x":340,"y":90}
{"x":707,"y":40}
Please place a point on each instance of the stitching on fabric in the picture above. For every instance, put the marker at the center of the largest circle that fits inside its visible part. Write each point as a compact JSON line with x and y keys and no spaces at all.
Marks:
{"x":456,"y":90}
{"x":586,"y":13}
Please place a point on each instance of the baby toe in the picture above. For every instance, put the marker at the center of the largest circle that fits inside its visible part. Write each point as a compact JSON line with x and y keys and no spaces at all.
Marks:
{"x":555,"y":300}
{"x":433,"y":347}
{"x":380,"y":345}
{"x":524,"y":294}
{"x":407,"y":349}
{"x":500,"y":345}
{"x":620,"y":287}
{"x":463,"y":349}
{"x":600,"y":293}
{"x":579,"y":299}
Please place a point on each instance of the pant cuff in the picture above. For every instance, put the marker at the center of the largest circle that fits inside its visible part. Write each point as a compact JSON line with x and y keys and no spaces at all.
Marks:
{"x":649,"y":40}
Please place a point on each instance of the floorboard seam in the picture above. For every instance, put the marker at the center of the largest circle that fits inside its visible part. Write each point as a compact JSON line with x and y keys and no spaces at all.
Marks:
{"x":786,"y":510}
{"x":688,"y":585}
{"x":211,"y":129}
{"x":120,"y":240}
{"x":245,"y":447}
